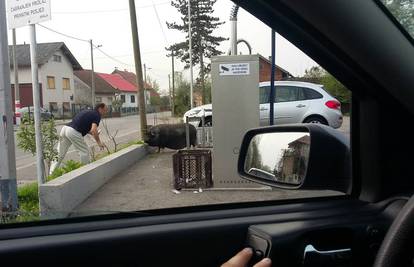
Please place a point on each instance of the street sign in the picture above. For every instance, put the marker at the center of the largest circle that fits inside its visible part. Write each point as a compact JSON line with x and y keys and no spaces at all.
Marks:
{"x":25,"y":12}
{"x":234,"y":69}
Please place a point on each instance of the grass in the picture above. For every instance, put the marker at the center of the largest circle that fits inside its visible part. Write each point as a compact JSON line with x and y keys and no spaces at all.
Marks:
{"x":28,"y":196}
{"x":120,"y":147}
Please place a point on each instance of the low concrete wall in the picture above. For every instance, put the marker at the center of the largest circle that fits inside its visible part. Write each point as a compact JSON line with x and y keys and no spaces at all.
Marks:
{"x":61,"y":195}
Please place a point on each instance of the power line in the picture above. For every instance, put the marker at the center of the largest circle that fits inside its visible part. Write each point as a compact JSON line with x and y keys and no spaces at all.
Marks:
{"x":66,"y":35}
{"x":159,"y":21}
{"x":109,"y":10}
{"x":88,"y":41}
{"x":111,"y":57}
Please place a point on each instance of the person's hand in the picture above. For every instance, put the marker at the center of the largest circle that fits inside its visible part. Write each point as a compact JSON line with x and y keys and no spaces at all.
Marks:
{"x":242,"y":259}
{"x":101,"y":146}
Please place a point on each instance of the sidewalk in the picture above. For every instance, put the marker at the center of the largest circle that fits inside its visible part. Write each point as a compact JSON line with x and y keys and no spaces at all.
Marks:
{"x":148,"y":185}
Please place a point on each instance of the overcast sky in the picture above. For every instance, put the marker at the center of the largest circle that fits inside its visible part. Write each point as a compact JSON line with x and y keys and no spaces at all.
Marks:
{"x":107,"y":23}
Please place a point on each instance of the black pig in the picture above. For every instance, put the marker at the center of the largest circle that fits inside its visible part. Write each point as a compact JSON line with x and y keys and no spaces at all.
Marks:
{"x":170,"y":136}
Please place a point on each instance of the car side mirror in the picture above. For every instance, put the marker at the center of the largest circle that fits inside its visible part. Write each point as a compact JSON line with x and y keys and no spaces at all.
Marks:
{"x":306,"y":156}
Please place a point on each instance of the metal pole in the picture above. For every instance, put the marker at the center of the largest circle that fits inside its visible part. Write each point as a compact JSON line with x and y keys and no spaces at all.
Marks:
{"x":36,"y":103}
{"x":92,"y":76}
{"x":272,"y":80}
{"x":173,"y":85}
{"x":8,"y":183}
{"x":233,"y":37}
{"x":16,"y":81}
{"x":203,"y":132}
{"x":187,"y":133}
{"x":145,"y":84}
{"x":138,"y":68}
{"x":190,"y":51}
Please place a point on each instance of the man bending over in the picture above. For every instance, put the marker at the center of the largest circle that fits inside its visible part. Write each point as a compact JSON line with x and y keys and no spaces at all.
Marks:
{"x":85,"y":122}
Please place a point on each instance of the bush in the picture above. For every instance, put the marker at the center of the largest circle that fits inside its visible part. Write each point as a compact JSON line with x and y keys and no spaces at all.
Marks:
{"x":69,"y":166}
{"x":26,"y":139}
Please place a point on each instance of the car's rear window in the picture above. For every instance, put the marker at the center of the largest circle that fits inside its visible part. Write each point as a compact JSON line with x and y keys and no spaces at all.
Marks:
{"x":311,"y":94}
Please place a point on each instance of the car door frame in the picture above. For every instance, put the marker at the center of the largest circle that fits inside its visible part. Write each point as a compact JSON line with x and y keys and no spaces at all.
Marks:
{"x":369,"y":145}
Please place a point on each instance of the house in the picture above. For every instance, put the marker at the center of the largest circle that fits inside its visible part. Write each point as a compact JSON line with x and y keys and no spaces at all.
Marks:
{"x":56,"y":66}
{"x":104,"y":92}
{"x":132,"y":78}
{"x":265,"y":70}
{"x":126,"y":90}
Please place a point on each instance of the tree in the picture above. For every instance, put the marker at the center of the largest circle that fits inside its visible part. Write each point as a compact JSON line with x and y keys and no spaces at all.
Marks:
{"x":204,"y":43}
{"x":316,"y":74}
{"x":26,"y":139}
{"x":182,"y":97}
{"x":335,"y":88}
{"x":403,"y":11}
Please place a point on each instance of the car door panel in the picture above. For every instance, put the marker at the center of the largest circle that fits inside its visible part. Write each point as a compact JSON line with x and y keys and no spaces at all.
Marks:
{"x":189,"y":239}
{"x":289,"y":106}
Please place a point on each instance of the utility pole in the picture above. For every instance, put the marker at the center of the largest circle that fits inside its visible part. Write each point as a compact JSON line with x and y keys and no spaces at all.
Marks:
{"x":190,"y":51}
{"x":145,"y":83}
{"x":8,"y":183}
{"x":36,"y":103}
{"x":16,"y":81}
{"x":138,"y":68}
{"x":173,"y":85}
{"x":92,"y":76}
{"x":203,"y":88}
{"x":169,"y":87}
{"x":272,"y":81}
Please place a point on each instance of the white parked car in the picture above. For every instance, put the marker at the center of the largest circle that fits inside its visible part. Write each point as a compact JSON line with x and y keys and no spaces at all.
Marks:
{"x":295,"y":102}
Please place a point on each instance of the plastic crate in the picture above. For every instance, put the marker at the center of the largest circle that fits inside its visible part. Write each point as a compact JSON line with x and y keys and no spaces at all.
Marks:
{"x":192,"y":169}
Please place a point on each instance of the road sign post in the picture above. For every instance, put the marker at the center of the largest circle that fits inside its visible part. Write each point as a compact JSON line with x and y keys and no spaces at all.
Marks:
{"x":41,"y":177}
{"x":8,"y":183}
{"x":22,"y":13}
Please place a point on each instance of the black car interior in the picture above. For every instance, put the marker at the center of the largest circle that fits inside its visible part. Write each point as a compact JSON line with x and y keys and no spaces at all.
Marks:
{"x":362,"y":46}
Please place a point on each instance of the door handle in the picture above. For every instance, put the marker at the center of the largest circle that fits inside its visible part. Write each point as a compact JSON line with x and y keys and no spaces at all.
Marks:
{"x":263,"y":109}
{"x":314,"y":257}
{"x":301,"y":106}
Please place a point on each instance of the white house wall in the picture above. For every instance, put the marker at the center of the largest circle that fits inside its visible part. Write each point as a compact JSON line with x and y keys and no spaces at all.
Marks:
{"x":128,"y":103}
{"x":57,"y":69}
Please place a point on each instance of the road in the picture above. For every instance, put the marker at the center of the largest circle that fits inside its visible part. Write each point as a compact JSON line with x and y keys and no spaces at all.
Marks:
{"x":128,"y":130}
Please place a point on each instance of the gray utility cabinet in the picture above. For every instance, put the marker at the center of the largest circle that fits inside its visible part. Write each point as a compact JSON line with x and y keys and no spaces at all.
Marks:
{"x":235,"y":97}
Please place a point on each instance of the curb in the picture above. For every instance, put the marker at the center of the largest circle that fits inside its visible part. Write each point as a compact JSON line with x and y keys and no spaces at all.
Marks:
{"x":60,"y":196}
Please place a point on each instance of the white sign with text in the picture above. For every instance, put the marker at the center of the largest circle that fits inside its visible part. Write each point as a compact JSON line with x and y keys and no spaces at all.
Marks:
{"x":25,"y":12}
{"x":234,"y":69}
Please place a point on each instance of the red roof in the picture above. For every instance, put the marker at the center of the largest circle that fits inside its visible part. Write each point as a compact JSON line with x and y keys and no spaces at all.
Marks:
{"x":130,"y":77}
{"x":118,"y":82}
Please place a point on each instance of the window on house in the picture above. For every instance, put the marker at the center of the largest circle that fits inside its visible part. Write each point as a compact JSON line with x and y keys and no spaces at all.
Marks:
{"x":123,"y":98}
{"x":53,"y":107}
{"x":132,"y":99}
{"x":57,"y":58}
{"x":110,"y":99}
{"x":51,"y":82}
{"x":98,"y":99}
{"x":66,"y":84}
{"x":66,"y":106}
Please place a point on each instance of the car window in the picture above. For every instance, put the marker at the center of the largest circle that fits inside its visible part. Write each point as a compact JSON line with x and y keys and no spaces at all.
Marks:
{"x":301,"y":94}
{"x":311,"y":94}
{"x":143,"y":163}
{"x":287,"y":94}
{"x":264,"y":94}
